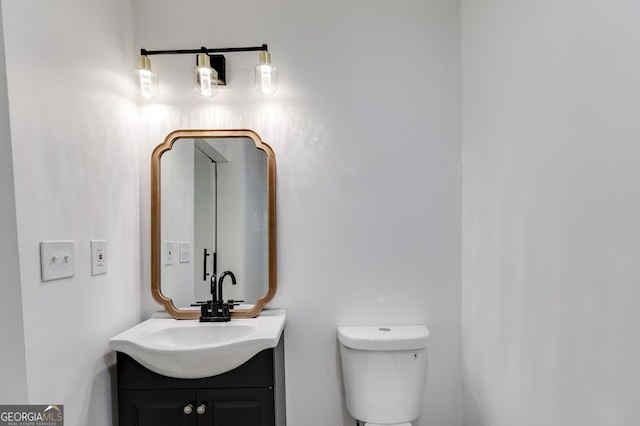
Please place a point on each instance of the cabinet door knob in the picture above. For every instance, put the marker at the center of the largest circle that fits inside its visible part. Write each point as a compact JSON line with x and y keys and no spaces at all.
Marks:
{"x":188,"y":409}
{"x":202,"y":408}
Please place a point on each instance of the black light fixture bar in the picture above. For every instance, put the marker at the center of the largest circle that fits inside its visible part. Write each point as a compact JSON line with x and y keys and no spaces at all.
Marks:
{"x":263,"y":48}
{"x":266,"y":76}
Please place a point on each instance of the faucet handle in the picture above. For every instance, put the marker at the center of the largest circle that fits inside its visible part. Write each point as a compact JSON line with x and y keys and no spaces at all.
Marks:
{"x":204,"y":310}
{"x":233,"y":303}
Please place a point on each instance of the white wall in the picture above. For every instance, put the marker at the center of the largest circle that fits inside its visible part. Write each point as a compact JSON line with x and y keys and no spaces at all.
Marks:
{"x":13,"y":386}
{"x":76,"y":168}
{"x":365,"y":127}
{"x":551,"y":94}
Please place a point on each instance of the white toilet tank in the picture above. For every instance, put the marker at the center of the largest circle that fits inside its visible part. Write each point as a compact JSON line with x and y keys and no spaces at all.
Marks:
{"x":383,"y":371}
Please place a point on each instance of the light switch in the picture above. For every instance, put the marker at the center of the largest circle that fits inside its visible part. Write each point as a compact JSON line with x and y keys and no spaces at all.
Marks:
{"x":168,"y":253}
{"x":185,"y":252}
{"x":57,"y":260}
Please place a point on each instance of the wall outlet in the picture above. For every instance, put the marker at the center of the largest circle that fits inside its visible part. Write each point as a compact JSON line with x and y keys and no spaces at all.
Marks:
{"x":185,"y":252}
{"x":98,"y":257}
{"x":57,"y":260}
{"x":168,"y":253}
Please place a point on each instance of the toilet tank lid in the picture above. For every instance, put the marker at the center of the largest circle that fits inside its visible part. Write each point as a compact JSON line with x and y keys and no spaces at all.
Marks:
{"x":384,"y":337}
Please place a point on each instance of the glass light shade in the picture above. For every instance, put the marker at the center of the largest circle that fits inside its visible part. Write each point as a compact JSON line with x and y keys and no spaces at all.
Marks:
{"x":266,"y":74}
{"x":206,"y":77}
{"x":146,"y":79}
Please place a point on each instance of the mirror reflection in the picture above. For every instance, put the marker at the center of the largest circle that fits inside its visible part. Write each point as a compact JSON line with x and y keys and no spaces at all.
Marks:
{"x":213,"y":212}
{"x":213,"y":215}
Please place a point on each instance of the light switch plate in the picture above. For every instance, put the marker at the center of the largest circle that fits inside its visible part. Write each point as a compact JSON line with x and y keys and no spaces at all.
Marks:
{"x":185,"y":252}
{"x":168,"y":253}
{"x":98,"y":257}
{"x":57,"y":260}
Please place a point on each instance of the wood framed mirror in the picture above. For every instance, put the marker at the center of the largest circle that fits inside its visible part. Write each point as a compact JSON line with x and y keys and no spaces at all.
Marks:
{"x":213,"y":209}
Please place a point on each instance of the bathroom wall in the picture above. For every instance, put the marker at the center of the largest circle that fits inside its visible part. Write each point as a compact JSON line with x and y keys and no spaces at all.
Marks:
{"x":365,"y":127}
{"x":76,"y":168}
{"x":551,"y":94}
{"x":13,"y":386}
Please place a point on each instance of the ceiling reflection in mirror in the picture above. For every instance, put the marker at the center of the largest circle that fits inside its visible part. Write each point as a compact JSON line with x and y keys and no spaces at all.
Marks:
{"x":213,"y":201}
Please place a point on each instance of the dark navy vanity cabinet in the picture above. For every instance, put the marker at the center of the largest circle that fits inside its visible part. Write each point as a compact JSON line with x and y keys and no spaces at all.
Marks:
{"x":250,"y":395}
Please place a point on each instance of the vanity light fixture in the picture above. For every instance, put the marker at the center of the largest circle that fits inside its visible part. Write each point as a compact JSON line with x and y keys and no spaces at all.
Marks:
{"x":266,"y":74}
{"x":210,"y":70}
{"x":146,"y":79}
{"x":206,"y":77}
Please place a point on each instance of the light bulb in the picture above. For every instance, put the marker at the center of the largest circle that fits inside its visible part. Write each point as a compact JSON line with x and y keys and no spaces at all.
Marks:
{"x":146,"y":79}
{"x":266,"y":74}
{"x":206,"y":77}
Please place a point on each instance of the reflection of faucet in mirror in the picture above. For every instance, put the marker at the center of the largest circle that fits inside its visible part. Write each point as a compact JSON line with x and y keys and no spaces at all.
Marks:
{"x":222,"y":277}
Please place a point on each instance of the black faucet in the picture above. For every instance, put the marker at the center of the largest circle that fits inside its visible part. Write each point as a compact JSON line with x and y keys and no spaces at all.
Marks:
{"x":216,"y":310}
{"x":213,"y":287}
{"x":222,"y":277}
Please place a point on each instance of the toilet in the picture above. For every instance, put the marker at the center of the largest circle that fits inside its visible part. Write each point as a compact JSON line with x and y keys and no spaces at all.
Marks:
{"x":383,"y":372}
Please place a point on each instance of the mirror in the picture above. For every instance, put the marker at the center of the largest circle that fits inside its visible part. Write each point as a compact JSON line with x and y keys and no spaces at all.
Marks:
{"x":213,"y":210}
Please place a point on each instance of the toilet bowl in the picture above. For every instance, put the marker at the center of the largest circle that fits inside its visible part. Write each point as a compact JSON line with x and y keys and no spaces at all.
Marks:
{"x":383,"y":372}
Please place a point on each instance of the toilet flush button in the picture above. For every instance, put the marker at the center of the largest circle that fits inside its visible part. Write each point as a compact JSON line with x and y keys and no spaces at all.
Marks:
{"x":384,"y":329}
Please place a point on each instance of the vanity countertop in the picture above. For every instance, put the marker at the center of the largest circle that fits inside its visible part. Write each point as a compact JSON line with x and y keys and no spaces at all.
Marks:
{"x":191,"y":349}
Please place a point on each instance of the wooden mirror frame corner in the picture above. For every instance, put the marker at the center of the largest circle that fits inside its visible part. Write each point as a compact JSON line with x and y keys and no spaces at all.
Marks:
{"x":156,"y":251}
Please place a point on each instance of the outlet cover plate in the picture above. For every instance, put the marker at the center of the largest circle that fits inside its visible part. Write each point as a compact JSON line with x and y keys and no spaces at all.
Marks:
{"x":57,"y":260}
{"x":98,"y":257}
{"x":185,"y":252}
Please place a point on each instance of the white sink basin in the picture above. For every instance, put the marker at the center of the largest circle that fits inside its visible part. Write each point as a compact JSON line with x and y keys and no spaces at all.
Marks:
{"x":188,"y":335}
{"x":190,"y":349}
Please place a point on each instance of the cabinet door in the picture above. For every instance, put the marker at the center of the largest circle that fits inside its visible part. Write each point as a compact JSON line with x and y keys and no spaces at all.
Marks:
{"x":157,"y":408}
{"x":238,"y":407}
